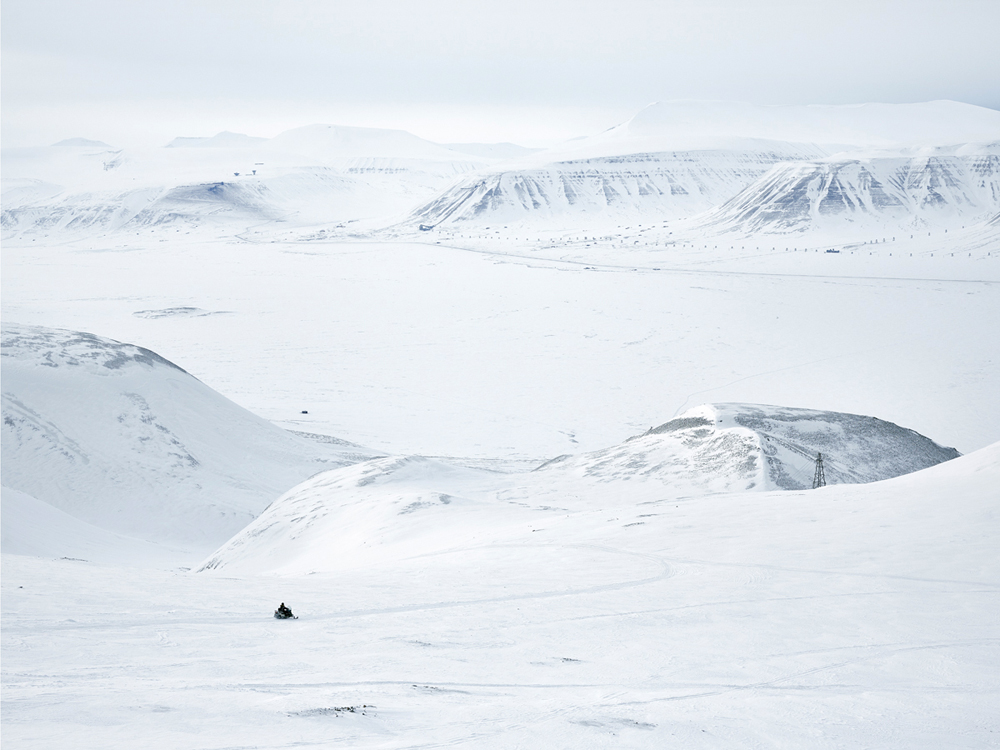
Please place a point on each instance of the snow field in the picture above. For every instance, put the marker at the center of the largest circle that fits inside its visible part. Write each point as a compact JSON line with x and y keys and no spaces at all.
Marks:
{"x":846,"y":617}
{"x":444,"y":598}
{"x":411,"y":348}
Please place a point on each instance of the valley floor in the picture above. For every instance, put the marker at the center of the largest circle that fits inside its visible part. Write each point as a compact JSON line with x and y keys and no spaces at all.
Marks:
{"x":503,"y":349}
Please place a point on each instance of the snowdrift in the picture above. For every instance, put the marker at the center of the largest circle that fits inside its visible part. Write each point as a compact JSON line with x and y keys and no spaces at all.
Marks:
{"x":395,"y":508}
{"x":123,"y":440}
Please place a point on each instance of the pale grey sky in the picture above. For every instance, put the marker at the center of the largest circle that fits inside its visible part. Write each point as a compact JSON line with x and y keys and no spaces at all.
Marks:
{"x":133,"y":71}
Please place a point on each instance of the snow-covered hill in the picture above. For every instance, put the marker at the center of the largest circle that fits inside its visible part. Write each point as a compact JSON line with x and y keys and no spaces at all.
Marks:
{"x":391,"y":508}
{"x":740,"y":447}
{"x":947,"y":187}
{"x":119,"y":438}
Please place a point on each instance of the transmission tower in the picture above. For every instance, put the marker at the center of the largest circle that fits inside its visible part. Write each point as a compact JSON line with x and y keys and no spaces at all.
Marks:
{"x":819,"y":478}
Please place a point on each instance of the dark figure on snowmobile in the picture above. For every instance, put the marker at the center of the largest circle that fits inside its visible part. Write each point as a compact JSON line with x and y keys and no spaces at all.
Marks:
{"x":283,"y":612}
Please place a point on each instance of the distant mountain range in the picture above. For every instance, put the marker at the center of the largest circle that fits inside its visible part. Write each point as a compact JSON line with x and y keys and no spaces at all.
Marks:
{"x":936,"y":189}
{"x":728,"y":167}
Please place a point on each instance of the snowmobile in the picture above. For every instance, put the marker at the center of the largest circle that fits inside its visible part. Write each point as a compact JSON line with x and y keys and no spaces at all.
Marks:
{"x":284,"y":613}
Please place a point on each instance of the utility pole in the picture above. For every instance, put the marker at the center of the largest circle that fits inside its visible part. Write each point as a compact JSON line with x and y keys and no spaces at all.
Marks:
{"x":819,"y":478}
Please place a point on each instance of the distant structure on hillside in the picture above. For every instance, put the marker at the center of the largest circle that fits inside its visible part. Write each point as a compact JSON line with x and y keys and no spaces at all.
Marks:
{"x":819,"y":478}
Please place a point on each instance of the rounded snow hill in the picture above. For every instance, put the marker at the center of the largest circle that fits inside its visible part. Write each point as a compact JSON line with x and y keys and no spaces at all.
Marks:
{"x":121,"y":439}
{"x":393,"y":509}
{"x":739,"y":447}
{"x":366,"y":514}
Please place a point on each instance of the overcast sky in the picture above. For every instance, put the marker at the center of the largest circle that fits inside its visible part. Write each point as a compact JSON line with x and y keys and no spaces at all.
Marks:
{"x":133,"y":72}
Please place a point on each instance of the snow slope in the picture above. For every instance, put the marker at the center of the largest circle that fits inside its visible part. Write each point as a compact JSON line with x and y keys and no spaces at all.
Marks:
{"x":365,"y":514}
{"x":121,"y":439}
{"x":395,"y":507}
{"x":37,"y":529}
{"x":848,"y":617}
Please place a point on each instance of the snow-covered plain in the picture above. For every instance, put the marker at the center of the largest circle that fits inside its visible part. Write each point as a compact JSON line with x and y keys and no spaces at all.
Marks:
{"x":496,"y":349}
{"x":634,"y":594}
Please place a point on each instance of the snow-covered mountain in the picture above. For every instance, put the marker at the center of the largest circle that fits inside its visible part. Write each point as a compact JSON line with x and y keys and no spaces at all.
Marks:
{"x":662,"y":185}
{"x":303,"y":194}
{"x":121,"y":439}
{"x":675,"y":159}
{"x":390,"y":508}
{"x":671,"y":160}
{"x":314,"y":174}
{"x":942,"y":188}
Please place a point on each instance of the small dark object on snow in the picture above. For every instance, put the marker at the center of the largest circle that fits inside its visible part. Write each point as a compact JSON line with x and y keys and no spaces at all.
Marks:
{"x":304,"y":411}
{"x":284,"y":613}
